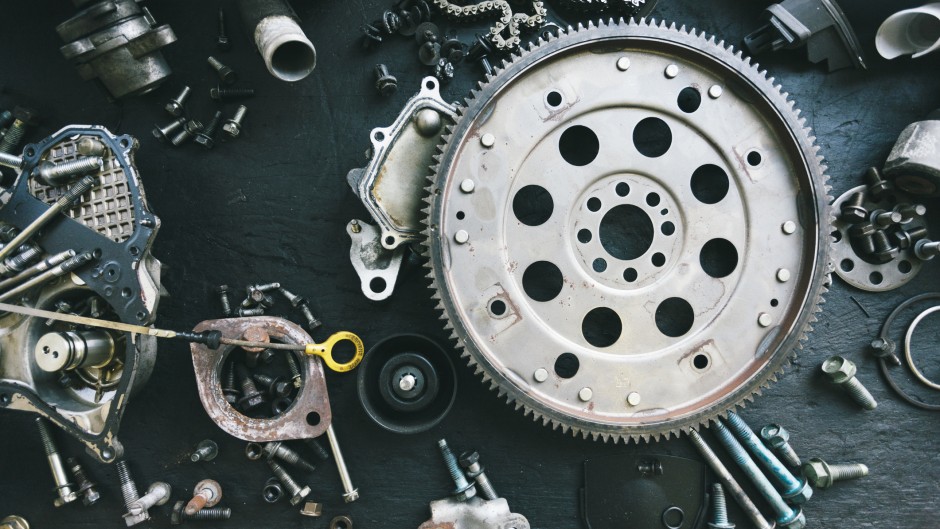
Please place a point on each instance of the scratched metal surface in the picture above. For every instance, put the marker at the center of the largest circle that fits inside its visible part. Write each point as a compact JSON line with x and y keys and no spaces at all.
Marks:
{"x":273,"y":204}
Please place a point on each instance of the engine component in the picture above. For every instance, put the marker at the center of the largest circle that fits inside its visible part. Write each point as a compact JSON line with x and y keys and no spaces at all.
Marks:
{"x":117,"y":42}
{"x":911,"y":32}
{"x":842,"y":372}
{"x":273,"y":26}
{"x":350,"y":493}
{"x":506,"y":32}
{"x":376,"y":267}
{"x":820,"y":25}
{"x":865,"y":256}
{"x":578,"y":267}
{"x":636,"y":491}
{"x":407,"y":383}
{"x":86,"y":389}
{"x":14,"y":522}
{"x":914,"y":162}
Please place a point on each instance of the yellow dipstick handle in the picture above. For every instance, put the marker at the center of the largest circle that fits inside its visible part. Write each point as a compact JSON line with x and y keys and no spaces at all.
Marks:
{"x":325,"y":351}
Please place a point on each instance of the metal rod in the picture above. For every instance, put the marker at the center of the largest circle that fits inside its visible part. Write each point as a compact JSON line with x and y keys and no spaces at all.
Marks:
{"x":37,"y":268}
{"x":350,"y":493}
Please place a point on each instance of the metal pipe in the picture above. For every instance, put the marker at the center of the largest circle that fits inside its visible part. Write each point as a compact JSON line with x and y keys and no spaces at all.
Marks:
{"x":273,"y":26}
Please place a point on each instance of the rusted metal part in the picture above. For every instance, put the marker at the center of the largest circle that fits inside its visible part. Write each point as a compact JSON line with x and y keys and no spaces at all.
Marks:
{"x":310,"y":415}
{"x":475,"y":513}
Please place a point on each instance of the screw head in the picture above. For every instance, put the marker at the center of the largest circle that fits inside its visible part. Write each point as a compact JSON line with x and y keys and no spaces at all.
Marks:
{"x":351,"y":496}
{"x":817,"y":472}
{"x":623,"y":64}
{"x":775,"y":435}
{"x":174,"y":108}
{"x":205,"y":140}
{"x":469,"y":458}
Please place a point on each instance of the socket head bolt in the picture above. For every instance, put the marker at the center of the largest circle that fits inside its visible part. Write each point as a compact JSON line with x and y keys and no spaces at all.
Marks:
{"x":226,"y":74}
{"x":254,"y":451}
{"x":853,"y":210}
{"x":233,"y":125}
{"x":385,"y":83}
{"x":206,"y":450}
{"x":222,"y":41}
{"x":878,"y":187}
{"x":207,"y":493}
{"x":822,"y":475}
{"x":906,"y":238}
{"x":167,"y":132}
{"x":175,"y":106}
{"x":272,"y":490}
{"x":925,"y":249}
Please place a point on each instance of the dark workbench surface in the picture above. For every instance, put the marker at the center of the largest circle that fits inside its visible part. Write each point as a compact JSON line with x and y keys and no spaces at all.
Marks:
{"x":272,"y":206}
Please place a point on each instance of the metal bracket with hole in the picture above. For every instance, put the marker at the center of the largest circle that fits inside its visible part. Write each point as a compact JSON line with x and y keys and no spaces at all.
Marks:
{"x":308,"y":416}
{"x":392,"y":185}
{"x":377,"y":267}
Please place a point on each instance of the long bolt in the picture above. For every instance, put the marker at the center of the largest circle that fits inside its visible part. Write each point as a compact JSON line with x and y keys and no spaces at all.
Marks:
{"x":224,"y":291}
{"x":909,"y":211}
{"x":312,"y":321}
{"x":794,"y":490}
{"x":58,"y":174}
{"x":470,"y":461}
{"x":464,"y":489}
{"x":72,"y":195}
{"x":350,"y":493}
{"x":824,"y":475}
{"x":166,"y":132}
{"x":70,"y":264}
{"x":884,"y":219}
{"x":730,"y":483}
{"x":175,"y":106}
{"x":11,"y":160}
{"x":226,"y":74}
{"x":842,"y":372}
{"x":128,"y":487}
{"x":222,"y":41}
{"x":907,"y":238}
{"x":64,"y":488}
{"x":281,"y":451}
{"x":226,"y":94}
{"x":720,"y":520}
{"x":296,"y":492}
{"x":20,"y":261}
{"x":785,"y":513}
{"x":926,"y":249}
{"x":778,"y":439}
{"x":86,"y":487}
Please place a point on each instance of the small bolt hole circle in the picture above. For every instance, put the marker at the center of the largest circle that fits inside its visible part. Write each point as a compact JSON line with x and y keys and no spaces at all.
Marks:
{"x":313,"y":418}
{"x":554,"y":99}
{"x":774,"y":302}
{"x":430,"y":85}
{"x":141,"y":316}
{"x":379,"y":136}
{"x":125,"y":143}
{"x":700,"y":361}
{"x":135,"y":251}
{"x":754,"y":158}
{"x":498,"y":307}
{"x":389,"y":240}
{"x":377,"y":285}
{"x":97,"y":253}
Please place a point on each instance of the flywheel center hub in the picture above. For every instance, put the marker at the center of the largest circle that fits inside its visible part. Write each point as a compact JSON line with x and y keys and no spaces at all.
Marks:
{"x":628,"y":230}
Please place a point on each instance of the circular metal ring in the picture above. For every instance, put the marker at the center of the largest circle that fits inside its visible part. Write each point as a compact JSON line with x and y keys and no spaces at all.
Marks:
{"x":679,"y":512}
{"x":907,"y":348}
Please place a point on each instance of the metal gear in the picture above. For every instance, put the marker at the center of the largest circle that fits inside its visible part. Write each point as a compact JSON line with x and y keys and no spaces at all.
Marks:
{"x":628,"y":230}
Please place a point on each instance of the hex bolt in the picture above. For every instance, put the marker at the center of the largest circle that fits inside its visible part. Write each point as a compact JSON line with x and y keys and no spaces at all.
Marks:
{"x":720,"y":509}
{"x":294,"y":370}
{"x":385,"y":83}
{"x":279,"y":450}
{"x":272,"y":490}
{"x":778,"y":438}
{"x":729,"y":482}
{"x":224,"y":291}
{"x":130,"y":494}
{"x":464,"y":489}
{"x":226,"y":74}
{"x":167,"y":132}
{"x":470,"y":462}
{"x":191,"y":128}
{"x":251,"y":397}
{"x":206,"y":137}
{"x":312,"y":321}
{"x":885,"y":348}
{"x":157,"y":494}
{"x":179,"y":516}
{"x":257,"y":296}
{"x":842,"y":372}
{"x":222,"y":41}
{"x":884,"y":251}
{"x":11,"y":160}
{"x":207,"y":493}
{"x":787,"y":517}
{"x":296,"y":492}
{"x":925,"y":249}
{"x":795,"y":490}
{"x":885,"y":219}
{"x":350,"y":493}
{"x":878,"y":187}
{"x":206,"y":450}
{"x":175,"y":106}
{"x":276,"y":386}
{"x":86,"y":487}
{"x":823,"y":475}
{"x":233,"y":125}
{"x":225,"y":94}
{"x":58,"y":174}
{"x":318,"y":449}
{"x":63,"y":487}
{"x":853,"y":210}
{"x":906,"y":238}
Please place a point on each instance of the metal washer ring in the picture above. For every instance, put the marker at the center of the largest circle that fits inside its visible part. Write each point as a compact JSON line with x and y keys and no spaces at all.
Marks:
{"x":670,"y":510}
{"x":907,"y":348}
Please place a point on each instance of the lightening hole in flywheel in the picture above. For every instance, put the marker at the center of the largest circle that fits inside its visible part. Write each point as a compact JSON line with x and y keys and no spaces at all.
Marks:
{"x":594,"y":204}
{"x":718,"y":258}
{"x":498,"y":307}
{"x":847,"y":265}
{"x":622,"y":189}
{"x":599,"y":265}
{"x":533,"y":205}
{"x":905,"y":267}
{"x":689,"y":99}
{"x":774,"y":302}
{"x":567,"y":365}
{"x":674,"y":317}
{"x":313,"y":418}
{"x":876,"y":278}
{"x":626,"y":232}
{"x":579,"y":145}
{"x":601,"y":327}
{"x":652,"y":137}
{"x":542,"y":281}
{"x":584,"y":236}
{"x":652,"y":199}
{"x":668,"y":228}
{"x":630,"y":275}
{"x":836,"y":235}
{"x":709,"y":184}
{"x":658,"y":259}
{"x":754,"y":158}
{"x":700,"y":361}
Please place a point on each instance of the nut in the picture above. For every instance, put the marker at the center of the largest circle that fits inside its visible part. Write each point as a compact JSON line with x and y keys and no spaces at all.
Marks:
{"x":839,"y":369}
{"x":775,"y":435}
{"x":254,"y":451}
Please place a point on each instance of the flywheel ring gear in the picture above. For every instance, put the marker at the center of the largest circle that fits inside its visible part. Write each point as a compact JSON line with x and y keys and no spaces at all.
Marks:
{"x":650,"y":328}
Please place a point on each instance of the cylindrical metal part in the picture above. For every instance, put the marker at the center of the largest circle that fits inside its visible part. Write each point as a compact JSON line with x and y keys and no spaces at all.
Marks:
{"x":70,"y":264}
{"x":11,"y":161}
{"x":88,"y":146}
{"x":39,"y":267}
{"x":350,"y":493}
{"x":272,"y":24}
{"x":792,"y":487}
{"x":58,"y":174}
{"x":128,"y":487}
{"x":844,"y":471}
{"x":70,"y":350}
{"x":63,"y":487}
{"x":20,"y":261}
{"x":860,"y":394}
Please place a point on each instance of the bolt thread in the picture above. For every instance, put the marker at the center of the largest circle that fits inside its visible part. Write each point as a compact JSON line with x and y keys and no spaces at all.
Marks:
{"x":744,"y":461}
{"x":289,"y":296}
{"x":240,"y":111}
{"x":211,"y":513}
{"x":184,"y":94}
{"x":181,"y":138}
{"x":719,"y":504}
{"x":880,"y":239}
{"x":45,"y":437}
{"x":318,"y":450}
{"x":312,"y":321}
{"x":196,"y":504}
{"x":486,"y":488}
{"x":380,"y":71}
{"x":292,"y":487}
{"x":60,"y":173}
{"x":231,"y":93}
{"x":78,"y":472}
{"x":20,"y":261}
{"x":221,"y":23}
{"x":789,"y":455}
{"x":860,"y":394}
{"x":842,"y":472}
{"x":229,"y":382}
{"x":128,"y":487}
{"x":214,"y":123}
{"x":226,"y":306}
{"x":247,"y":384}
{"x":264,"y":380}
{"x":215,"y":64}
{"x":11,"y":161}
{"x":13,"y":137}
{"x":453,"y":468}
{"x":764,"y":455}
{"x":855,"y":200}
{"x":287,"y":455}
